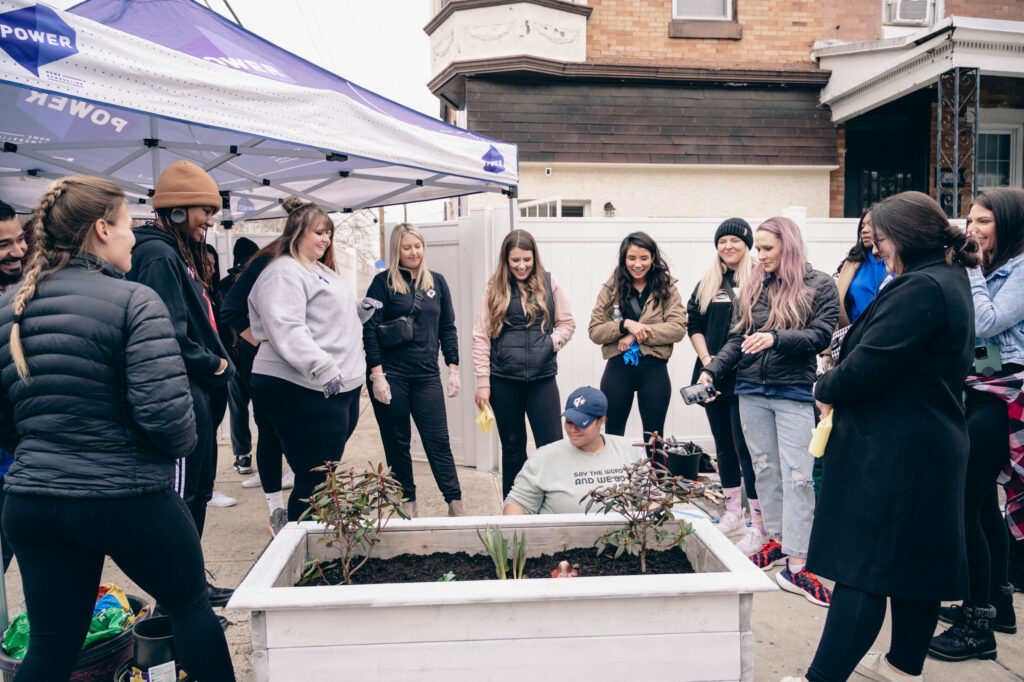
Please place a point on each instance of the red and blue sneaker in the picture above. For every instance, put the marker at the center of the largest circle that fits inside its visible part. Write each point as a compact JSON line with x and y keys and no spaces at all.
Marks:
{"x":805,"y":583}
{"x":769,"y":555}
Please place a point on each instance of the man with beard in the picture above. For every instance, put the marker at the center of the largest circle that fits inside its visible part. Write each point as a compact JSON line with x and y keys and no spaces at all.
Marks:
{"x":12,"y":248}
{"x":12,"y":258}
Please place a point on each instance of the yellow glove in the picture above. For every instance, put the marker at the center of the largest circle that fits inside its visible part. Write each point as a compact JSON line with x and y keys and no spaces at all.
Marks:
{"x":485,"y":420}
{"x":819,"y":437}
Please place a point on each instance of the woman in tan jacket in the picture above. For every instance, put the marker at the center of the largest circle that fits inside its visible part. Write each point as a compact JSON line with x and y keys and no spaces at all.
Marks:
{"x":638,"y":317}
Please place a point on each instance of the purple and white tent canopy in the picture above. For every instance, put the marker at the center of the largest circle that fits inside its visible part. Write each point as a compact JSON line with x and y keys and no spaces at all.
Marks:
{"x":122,"y":88}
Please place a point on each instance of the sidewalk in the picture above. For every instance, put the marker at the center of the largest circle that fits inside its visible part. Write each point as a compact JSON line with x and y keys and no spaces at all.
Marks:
{"x":786,"y":628}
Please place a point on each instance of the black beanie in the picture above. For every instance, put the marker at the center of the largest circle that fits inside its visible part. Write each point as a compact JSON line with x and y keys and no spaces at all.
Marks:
{"x":737,"y":227}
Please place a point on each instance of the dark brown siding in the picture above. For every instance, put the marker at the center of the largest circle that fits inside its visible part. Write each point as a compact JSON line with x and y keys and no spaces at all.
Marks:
{"x":614,"y":123}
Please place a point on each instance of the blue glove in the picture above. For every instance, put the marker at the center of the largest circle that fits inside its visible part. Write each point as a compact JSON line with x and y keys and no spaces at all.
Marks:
{"x":332,"y":387}
{"x":632,"y":355}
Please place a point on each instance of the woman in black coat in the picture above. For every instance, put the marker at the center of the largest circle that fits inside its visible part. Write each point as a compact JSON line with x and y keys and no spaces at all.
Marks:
{"x":889,"y":520}
{"x":95,"y":405}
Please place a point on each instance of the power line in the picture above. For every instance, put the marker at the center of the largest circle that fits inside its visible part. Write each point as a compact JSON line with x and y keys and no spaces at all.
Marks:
{"x":228,"y":5}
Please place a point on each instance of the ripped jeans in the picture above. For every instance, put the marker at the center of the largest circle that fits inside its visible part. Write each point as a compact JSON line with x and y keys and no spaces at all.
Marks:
{"x":778,"y":433}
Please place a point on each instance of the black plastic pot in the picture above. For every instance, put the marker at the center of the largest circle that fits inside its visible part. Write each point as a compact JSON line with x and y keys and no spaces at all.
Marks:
{"x":101,"y":660}
{"x":684,"y":464}
{"x":154,"y":642}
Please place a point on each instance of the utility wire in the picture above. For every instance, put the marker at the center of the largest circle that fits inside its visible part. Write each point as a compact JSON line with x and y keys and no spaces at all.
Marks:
{"x":237,"y":20}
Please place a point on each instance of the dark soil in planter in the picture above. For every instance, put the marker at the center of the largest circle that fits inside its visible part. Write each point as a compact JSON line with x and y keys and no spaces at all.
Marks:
{"x":414,"y":568}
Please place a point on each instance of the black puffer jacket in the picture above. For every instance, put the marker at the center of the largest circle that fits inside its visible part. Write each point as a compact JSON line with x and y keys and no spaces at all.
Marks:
{"x":791,"y":361}
{"x":107,"y":407}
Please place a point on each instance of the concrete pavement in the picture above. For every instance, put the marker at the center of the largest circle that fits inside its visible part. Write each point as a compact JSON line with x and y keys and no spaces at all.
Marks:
{"x":786,"y":627}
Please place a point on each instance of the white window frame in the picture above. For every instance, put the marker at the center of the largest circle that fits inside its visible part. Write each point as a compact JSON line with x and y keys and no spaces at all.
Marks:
{"x":677,"y":14}
{"x":1016,"y":132}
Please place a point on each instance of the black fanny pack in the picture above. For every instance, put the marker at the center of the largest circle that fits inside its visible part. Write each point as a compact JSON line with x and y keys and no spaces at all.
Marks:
{"x":398,"y":331}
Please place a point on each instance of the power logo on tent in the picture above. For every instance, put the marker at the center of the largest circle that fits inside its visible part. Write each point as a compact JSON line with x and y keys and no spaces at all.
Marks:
{"x":35,"y":36}
{"x":494,"y":162}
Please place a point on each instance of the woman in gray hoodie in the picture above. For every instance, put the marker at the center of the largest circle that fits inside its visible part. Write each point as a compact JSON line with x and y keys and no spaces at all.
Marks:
{"x":308,"y":374}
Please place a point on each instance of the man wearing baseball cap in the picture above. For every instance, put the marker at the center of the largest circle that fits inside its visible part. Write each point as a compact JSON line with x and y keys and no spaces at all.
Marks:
{"x":557,"y":476}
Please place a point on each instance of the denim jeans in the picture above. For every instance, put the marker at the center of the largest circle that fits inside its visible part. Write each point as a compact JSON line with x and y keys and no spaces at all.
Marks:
{"x":778,"y":433}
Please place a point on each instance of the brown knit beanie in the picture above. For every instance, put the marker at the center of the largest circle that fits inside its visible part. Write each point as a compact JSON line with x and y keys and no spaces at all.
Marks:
{"x":185,"y":184}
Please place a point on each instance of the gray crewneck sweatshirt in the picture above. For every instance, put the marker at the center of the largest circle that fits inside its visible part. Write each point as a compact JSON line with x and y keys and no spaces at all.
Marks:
{"x":308,"y":317}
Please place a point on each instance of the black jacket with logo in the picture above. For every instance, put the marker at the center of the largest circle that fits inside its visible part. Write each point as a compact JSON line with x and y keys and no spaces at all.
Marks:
{"x":157,"y":264}
{"x":713,"y":324}
{"x":433,"y":326}
{"x":792,"y":359}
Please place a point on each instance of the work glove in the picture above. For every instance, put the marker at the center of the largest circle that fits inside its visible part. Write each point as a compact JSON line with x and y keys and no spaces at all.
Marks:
{"x":381,"y":389}
{"x":453,"y":382}
{"x":632,"y":356}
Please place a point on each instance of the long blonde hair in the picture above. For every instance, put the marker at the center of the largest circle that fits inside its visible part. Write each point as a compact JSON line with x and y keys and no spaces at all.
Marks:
{"x":711,"y":282}
{"x":499,"y":287}
{"x":424,"y":280}
{"x":60,"y":227}
{"x":790,"y":300}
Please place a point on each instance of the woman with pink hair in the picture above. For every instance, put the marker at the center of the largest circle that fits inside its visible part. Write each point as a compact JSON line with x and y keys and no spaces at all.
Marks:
{"x":782,"y":318}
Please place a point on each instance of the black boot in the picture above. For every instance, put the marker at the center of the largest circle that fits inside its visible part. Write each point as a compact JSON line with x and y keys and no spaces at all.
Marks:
{"x":1002,"y":599}
{"x":970,"y":637}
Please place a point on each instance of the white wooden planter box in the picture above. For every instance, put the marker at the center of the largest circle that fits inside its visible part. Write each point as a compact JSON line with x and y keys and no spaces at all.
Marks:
{"x":671,"y":627}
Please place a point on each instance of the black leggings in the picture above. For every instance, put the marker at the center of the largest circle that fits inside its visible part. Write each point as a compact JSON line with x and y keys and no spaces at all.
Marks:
{"x":60,"y":544}
{"x":730,"y":446}
{"x":987,"y":542}
{"x":201,"y":464}
{"x":852,"y":624}
{"x":268,"y":445}
{"x":239,"y":396}
{"x":512,"y":402}
{"x":423,"y":400}
{"x":312,"y":429}
{"x":649,"y":381}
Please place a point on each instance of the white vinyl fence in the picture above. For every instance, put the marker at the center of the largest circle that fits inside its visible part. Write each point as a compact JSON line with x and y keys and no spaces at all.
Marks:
{"x":581,"y":254}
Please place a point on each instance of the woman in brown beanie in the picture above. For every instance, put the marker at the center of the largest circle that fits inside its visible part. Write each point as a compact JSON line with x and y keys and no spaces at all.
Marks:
{"x":168,"y":257}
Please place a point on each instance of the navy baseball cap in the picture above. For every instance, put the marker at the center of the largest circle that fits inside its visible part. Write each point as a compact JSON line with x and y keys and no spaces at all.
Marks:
{"x":584,"y":406}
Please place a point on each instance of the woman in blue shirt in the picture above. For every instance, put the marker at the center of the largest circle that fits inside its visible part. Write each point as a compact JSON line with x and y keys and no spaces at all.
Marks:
{"x":860,"y":275}
{"x":996,"y":220}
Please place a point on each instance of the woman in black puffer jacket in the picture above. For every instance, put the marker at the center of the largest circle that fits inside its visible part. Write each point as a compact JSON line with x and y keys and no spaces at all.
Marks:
{"x":96,"y":408}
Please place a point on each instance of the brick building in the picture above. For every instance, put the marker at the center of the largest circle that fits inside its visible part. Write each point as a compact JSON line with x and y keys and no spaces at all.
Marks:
{"x":711,"y":107}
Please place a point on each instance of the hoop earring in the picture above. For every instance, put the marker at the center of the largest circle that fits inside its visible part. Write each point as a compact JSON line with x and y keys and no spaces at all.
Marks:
{"x":179,"y":216}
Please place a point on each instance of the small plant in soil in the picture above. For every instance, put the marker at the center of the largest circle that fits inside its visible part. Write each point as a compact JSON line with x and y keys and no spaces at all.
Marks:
{"x":501,"y":550}
{"x":645,"y":499}
{"x":354,"y":507}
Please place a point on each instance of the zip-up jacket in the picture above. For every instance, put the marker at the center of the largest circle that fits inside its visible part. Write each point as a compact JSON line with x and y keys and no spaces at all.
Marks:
{"x":107,"y":407}
{"x":433,"y":326}
{"x":790,"y":361}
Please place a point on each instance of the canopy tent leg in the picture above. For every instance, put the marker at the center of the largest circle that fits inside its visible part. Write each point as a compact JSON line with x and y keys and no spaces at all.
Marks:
{"x":513,"y":201}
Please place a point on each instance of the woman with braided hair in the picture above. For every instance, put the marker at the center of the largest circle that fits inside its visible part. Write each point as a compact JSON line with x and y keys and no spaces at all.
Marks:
{"x":95,"y":405}
{"x":169,"y":258}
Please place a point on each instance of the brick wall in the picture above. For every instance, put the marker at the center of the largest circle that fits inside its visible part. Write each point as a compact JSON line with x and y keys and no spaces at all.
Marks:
{"x":837,"y":178}
{"x":998,"y":92}
{"x":776,"y":33}
{"x":1012,"y":10}
{"x":592,"y":122}
{"x":851,"y":20}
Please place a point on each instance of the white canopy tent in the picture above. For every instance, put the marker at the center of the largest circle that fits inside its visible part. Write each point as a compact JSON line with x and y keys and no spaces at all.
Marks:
{"x":122,"y":88}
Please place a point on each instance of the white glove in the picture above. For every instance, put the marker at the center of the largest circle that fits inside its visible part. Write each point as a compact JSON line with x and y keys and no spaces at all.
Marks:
{"x":381,"y":389}
{"x":453,"y":382}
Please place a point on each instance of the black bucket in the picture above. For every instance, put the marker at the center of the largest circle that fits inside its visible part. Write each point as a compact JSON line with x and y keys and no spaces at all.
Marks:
{"x":101,"y":660}
{"x":154,"y":642}
{"x":684,"y":464}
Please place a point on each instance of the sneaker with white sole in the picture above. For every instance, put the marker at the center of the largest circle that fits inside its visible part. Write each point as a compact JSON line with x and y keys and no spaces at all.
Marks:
{"x":804,"y":583}
{"x":752,"y":541}
{"x":287,"y":480}
{"x":874,"y":667}
{"x":219,"y":499}
{"x":731,"y":523}
{"x":769,"y":556}
{"x":243,"y":464}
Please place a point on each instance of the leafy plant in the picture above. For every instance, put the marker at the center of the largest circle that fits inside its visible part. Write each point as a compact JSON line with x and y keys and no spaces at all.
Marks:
{"x":448,"y":577}
{"x":354,"y":507}
{"x":501,"y":550}
{"x":645,"y":499}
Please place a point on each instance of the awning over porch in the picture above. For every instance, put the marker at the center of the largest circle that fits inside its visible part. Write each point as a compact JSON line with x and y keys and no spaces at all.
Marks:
{"x":869,"y":74}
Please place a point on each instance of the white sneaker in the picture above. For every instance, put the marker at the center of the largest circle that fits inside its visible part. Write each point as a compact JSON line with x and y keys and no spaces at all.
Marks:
{"x":287,"y":479}
{"x":874,"y":667}
{"x":253,"y":482}
{"x":752,"y":541}
{"x":731,"y":524}
{"x":219,"y":499}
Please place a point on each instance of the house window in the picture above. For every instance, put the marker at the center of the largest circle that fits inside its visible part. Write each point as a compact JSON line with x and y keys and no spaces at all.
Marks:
{"x":713,"y":19}
{"x":554,"y":207}
{"x":999,"y":156}
{"x":702,"y":10}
